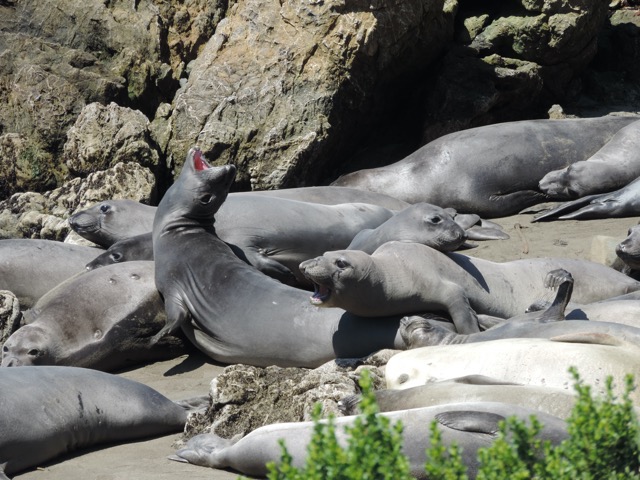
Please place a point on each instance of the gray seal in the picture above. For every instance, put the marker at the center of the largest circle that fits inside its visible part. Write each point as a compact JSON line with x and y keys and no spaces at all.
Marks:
{"x":624,"y":202}
{"x":413,"y":278}
{"x":628,"y":250}
{"x":230,"y":310}
{"x":50,"y":411}
{"x":612,"y":167}
{"x":470,"y":388}
{"x":492,"y":171}
{"x":470,"y":425}
{"x":421,"y":223}
{"x":29,"y":268}
{"x":103,"y":319}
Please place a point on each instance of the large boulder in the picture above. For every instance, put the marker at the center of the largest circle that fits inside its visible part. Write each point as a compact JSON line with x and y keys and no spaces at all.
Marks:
{"x":283,"y":87}
{"x":511,"y":60}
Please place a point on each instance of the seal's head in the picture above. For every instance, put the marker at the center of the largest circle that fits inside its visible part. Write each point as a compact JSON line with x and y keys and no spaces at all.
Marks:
{"x":429,"y":225}
{"x":336,"y":277}
{"x":199,"y":191}
{"x":629,"y":249}
{"x":27,"y":346}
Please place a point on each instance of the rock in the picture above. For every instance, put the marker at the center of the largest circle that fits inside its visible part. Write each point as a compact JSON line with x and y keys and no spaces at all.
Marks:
{"x":105,"y":135}
{"x":35,"y":215}
{"x":511,"y":61}
{"x":24,"y":166}
{"x":10,"y":315}
{"x":244,"y":397}
{"x":275,"y":107}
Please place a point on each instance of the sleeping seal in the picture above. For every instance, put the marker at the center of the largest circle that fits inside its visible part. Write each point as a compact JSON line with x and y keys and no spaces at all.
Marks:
{"x":230,"y":310}
{"x":49,"y":411}
{"x":470,"y":425}
{"x":492,"y":171}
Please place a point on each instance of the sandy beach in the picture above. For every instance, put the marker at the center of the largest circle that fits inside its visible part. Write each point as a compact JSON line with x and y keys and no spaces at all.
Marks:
{"x":191,"y":375}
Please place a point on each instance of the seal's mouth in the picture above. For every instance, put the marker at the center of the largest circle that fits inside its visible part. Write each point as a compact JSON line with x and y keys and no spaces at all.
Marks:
{"x":199,"y":162}
{"x":321,"y":294}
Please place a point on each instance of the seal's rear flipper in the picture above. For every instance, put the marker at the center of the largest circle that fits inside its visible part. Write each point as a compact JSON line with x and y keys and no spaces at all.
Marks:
{"x":557,"y":213}
{"x":197,"y":404}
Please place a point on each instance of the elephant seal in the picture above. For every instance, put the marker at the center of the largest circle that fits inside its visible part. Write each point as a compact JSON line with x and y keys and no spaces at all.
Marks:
{"x":138,"y":247}
{"x":105,"y":222}
{"x":470,"y":425}
{"x":409,"y":277}
{"x":29,"y":268}
{"x":49,"y":411}
{"x":492,"y":171}
{"x":612,"y":167}
{"x":531,"y":361}
{"x":470,"y":388}
{"x":421,"y":223}
{"x":230,"y":310}
{"x":628,"y":251}
{"x":624,"y":202}
{"x":102,"y":319}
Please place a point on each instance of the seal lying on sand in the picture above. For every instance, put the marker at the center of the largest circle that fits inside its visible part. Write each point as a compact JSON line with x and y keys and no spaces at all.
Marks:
{"x":612,"y":167}
{"x":412,"y":278}
{"x":624,"y":202}
{"x":470,"y":388}
{"x":49,"y":411}
{"x":470,"y":425}
{"x":29,"y":268}
{"x":103,"y":319}
{"x":492,"y":171}
{"x":420,"y":332}
{"x":230,"y":310}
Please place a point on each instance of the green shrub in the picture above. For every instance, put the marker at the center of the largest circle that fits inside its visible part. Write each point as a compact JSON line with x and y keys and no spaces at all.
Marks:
{"x":603,"y":443}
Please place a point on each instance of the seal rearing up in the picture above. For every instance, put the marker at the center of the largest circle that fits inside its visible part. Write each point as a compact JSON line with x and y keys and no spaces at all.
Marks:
{"x":238,"y":314}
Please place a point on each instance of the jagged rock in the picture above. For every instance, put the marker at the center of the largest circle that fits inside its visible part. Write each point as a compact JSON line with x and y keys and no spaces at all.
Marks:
{"x":105,"y":135}
{"x":244,"y":397}
{"x":512,"y":61}
{"x":35,"y":215}
{"x":276,"y":106}
{"x":10,"y":315}
{"x":23,"y":166}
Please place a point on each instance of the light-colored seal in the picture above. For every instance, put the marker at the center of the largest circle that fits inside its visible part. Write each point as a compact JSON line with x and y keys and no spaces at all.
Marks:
{"x":470,"y":425}
{"x":612,"y":167}
{"x":409,"y":277}
{"x":29,"y":268}
{"x":49,"y":411}
{"x":624,"y":202}
{"x":228,"y":309}
{"x":103,"y":319}
{"x":531,"y":361}
{"x":628,"y":250}
{"x":421,"y":223}
{"x":470,"y":388}
{"x":492,"y":171}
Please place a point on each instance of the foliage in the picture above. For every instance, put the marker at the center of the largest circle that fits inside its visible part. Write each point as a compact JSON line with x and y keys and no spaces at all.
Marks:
{"x":603,"y":443}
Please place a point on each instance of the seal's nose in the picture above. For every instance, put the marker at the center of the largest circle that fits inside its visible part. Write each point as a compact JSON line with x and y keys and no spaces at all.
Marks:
{"x":11,"y":362}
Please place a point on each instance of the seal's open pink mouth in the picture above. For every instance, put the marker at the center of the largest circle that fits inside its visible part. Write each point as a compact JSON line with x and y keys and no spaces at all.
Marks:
{"x":320,"y":295}
{"x":199,"y":162}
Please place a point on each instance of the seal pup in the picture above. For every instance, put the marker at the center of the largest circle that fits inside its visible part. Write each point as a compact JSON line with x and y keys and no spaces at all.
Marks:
{"x":624,"y":202}
{"x":50,"y":411}
{"x":29,"y":268}
{"x":138,"y":247}
{"x":230,"y":310}
{"x":612,"y":167}
{"x":421,"y":223}
{"x":470,"y":425}
{"x":413,"y":278}
{"x":470,"y":388}
{"x":103,"y":319}
{"x":493,"y":170}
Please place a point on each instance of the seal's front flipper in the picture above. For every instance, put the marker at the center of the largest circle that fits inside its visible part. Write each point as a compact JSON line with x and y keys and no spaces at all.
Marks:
{"x":270,"y":267}
{"x":471,"y":421}
{"x":177,"y":315}
{"x":204,"y":450}
{"x":556,"y":213}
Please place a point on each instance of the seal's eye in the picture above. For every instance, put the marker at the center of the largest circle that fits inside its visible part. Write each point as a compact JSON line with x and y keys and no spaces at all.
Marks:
{"x":34,"y":352}
{"x":436,"y":219}
{"x":104,"y":208}
{"x":116,"y":256}
{"x":206,"y":199}
{"x":5,"y":349}
{"x":342,"y":263}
